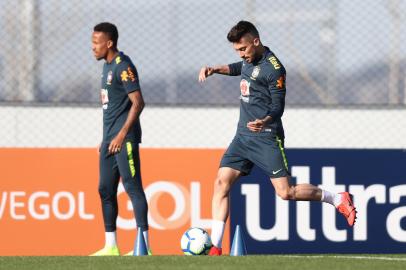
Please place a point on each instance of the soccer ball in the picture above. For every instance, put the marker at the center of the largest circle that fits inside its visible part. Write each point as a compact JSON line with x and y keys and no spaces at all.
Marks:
{"x":195,"y":241}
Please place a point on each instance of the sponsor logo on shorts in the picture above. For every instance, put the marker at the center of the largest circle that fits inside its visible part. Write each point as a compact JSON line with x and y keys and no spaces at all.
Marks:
{"x":275,"y":172}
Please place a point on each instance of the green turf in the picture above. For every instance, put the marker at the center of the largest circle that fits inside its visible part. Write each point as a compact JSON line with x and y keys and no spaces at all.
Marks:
{"x":329,"y":262}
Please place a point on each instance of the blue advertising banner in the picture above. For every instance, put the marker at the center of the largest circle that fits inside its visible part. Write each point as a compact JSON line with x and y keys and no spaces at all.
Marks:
{"x":376,"y":178}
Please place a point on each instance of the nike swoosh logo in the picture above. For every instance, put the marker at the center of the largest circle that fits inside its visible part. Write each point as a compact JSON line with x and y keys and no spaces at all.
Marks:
{"x":275,"y":172}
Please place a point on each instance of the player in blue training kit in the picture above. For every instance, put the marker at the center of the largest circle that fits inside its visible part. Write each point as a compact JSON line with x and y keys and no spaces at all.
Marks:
{"x":260,"y":135}
{"x":122,"y":103}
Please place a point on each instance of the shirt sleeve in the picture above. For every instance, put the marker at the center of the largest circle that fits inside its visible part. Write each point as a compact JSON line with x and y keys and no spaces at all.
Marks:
{"x":128,"y":77}
{"x":235,"y":68}
{"x":277,"y":90}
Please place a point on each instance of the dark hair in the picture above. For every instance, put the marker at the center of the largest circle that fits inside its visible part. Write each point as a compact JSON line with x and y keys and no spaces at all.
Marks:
{"x":240,"y":29}
{"x":109,"y":29}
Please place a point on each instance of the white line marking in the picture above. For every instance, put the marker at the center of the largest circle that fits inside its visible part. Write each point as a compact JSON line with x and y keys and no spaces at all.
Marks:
{"x":345,"y":257}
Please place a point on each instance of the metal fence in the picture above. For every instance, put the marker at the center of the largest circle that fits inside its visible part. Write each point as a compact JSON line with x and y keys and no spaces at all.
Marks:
{"x":335,"y":52}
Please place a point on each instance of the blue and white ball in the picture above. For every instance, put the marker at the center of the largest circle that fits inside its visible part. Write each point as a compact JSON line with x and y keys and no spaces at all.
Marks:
{"x":195,"y":241}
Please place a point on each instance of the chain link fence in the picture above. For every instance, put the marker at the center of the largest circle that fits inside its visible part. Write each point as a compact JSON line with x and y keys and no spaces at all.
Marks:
{"x":337,"y":53}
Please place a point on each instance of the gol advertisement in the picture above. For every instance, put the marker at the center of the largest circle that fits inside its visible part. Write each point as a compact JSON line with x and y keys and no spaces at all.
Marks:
{"x":49,"y":201}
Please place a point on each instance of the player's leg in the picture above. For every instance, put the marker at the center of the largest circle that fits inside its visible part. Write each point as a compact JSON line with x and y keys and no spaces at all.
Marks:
{"x":304,"y":192}
{"x":232,"y":166}
{"x":108,"y":183}
{"x":222,"y":185}
{"x":128,"y":161}
{"x":307,"y":192}
{"x":220,"y":204}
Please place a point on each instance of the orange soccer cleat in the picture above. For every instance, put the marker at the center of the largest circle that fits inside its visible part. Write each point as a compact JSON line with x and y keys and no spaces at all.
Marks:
{"x":347,"y":209}
{"x":215,"y":251}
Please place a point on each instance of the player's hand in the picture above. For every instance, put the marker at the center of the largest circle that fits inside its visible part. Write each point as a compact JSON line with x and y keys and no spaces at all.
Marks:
{"x":256,"y":126}
{"x":205,"y":72}
{"x":115,"y":144}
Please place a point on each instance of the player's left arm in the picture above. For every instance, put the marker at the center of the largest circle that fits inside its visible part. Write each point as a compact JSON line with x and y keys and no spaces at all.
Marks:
{"x":129,"y":78}
{"x":135,"y":111}
{"x":277,"y":90}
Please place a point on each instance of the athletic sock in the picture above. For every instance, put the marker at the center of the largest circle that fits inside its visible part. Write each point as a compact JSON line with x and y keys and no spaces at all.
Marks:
{"x":217,"y":231}
{"x":330,"y":197}
{"x":111,"y":239}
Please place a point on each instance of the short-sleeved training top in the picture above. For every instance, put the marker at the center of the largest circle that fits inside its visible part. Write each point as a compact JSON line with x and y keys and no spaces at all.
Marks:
{"x":263,"y":93}
{"x":119,"y":78}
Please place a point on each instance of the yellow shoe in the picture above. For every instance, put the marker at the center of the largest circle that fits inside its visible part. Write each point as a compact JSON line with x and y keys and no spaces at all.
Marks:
{"x":132,"y":252}
{"x":107,"y":251}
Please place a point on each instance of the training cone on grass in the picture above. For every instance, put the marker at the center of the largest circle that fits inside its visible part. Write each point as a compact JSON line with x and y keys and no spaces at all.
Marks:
{"x":238,"y":247}
{"x":140,"y":248}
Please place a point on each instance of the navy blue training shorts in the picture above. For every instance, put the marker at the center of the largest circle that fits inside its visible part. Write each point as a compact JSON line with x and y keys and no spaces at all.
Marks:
{"x":266,"y":152}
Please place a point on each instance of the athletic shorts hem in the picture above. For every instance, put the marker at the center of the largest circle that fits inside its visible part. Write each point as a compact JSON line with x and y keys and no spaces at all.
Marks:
{"x":243,"y":172}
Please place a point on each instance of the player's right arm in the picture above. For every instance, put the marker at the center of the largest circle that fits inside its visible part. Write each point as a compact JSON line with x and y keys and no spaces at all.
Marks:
{"x":231,"y":70}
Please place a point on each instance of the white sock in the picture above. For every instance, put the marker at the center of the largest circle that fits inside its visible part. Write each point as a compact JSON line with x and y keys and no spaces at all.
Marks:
{"x":146,"y":239}
{"x":331,"y":198}
{"x":217,"y":231}
{"x":111,"y":239}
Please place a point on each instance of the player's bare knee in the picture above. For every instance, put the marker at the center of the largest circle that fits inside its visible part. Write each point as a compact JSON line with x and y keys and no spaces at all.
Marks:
{"x":285,"y":194}
{"x":221,"y":185}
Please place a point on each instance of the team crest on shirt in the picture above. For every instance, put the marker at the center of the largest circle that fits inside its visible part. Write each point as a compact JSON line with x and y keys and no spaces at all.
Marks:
{"x":245,"y":90}
{"x":109,"y":77}
{"x":255,"y":72}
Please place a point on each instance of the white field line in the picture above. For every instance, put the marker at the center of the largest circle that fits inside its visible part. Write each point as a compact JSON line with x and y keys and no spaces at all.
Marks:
{"x":382,"y":258}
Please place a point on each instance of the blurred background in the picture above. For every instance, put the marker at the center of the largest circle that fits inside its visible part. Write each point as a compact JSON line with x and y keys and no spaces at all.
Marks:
{"x":339,"y":55}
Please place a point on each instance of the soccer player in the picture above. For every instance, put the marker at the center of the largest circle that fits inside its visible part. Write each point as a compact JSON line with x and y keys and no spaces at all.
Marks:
{"x":260,"y":136}
{"x":122,"y":103}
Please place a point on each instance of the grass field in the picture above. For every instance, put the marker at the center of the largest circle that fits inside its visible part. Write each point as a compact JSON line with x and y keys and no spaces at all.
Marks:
{"x":279,"y":262}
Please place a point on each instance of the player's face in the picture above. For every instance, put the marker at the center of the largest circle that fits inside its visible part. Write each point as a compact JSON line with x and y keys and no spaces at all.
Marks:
{"x":247,"y":47}
{"x":100,"y":45}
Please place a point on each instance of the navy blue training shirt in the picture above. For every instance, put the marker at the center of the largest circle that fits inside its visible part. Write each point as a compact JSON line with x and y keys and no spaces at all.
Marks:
{"x":263,"y":93}
{"x":119,"y":78}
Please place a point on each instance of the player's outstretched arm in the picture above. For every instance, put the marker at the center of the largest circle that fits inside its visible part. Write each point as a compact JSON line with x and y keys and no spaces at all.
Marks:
{"x":208,"y":71}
